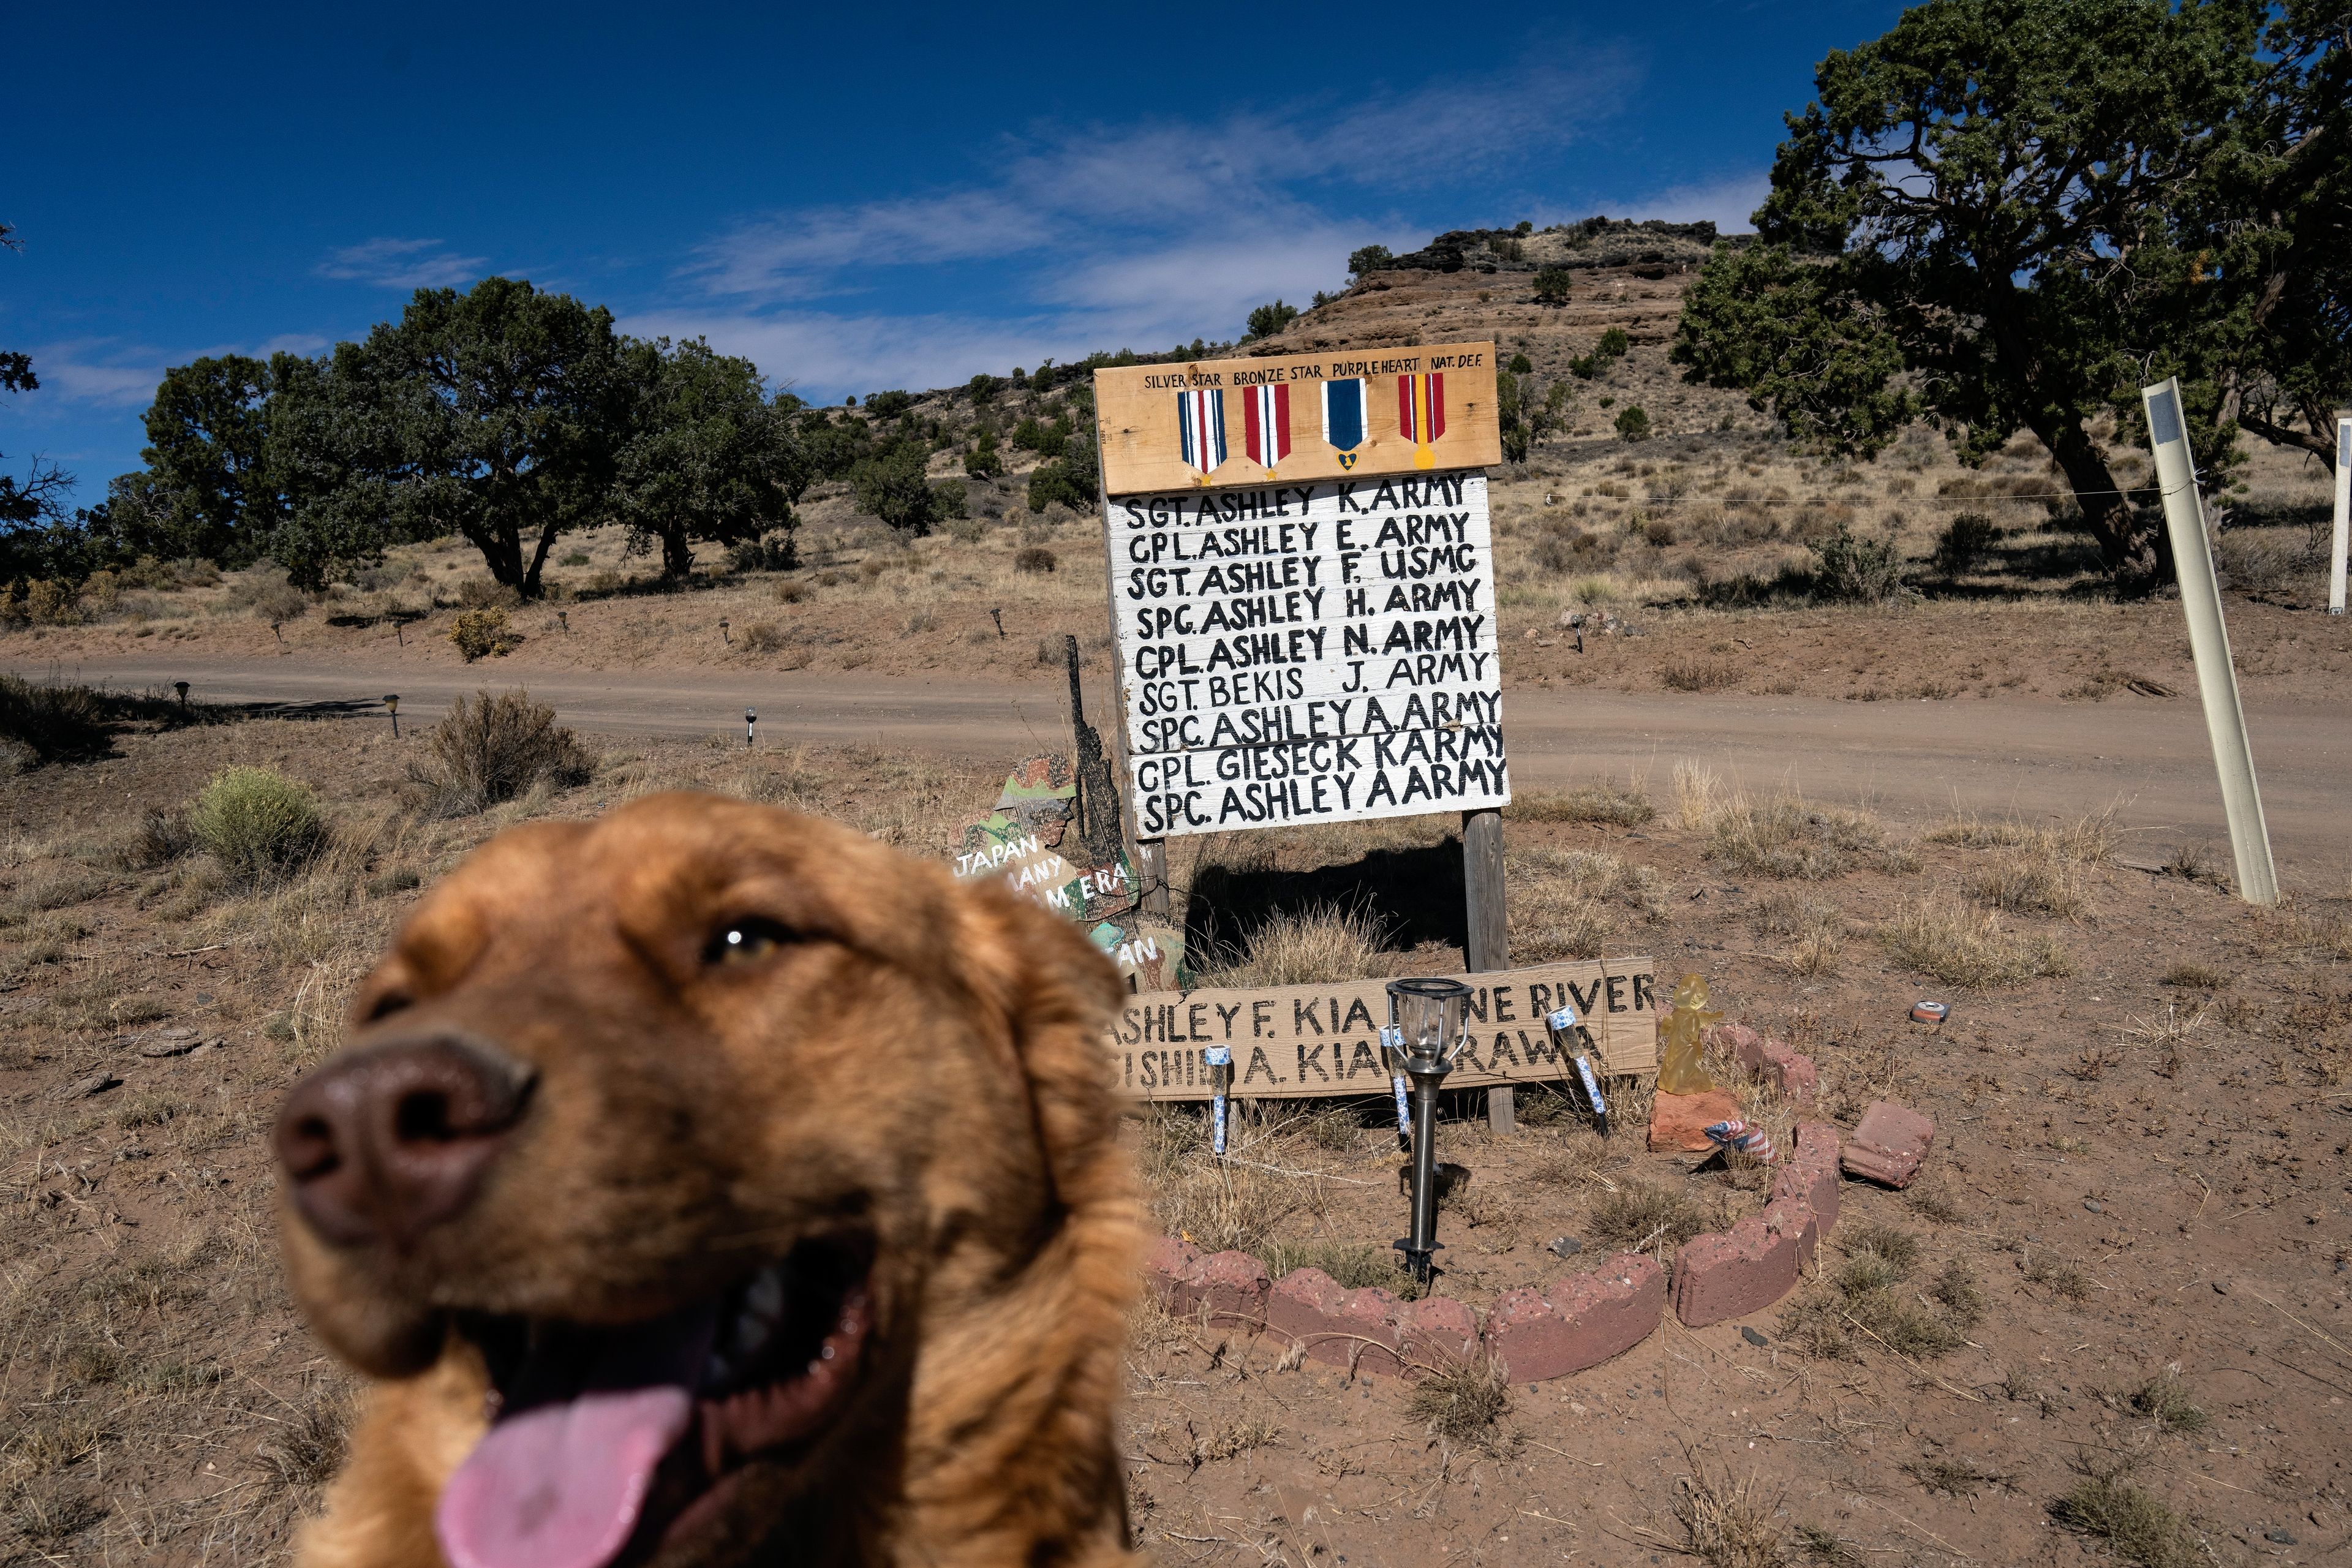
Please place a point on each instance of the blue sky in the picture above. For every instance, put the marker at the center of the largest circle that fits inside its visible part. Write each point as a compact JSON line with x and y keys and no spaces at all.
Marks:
{"x":860,"y":198}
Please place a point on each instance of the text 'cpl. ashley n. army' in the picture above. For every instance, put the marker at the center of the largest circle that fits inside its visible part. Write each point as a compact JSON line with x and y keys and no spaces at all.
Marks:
{"x":1307,"y":652}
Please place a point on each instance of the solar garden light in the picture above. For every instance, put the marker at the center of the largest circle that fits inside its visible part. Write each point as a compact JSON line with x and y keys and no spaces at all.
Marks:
{"x":1427,"y":1022}
{"x":1220,"y":1060}
{"x":722,"y":632}
{"x":181,"y":688}
{"x":1569,"y":1036}
{"x":750,"y":722}
{"x":563,"y":619}
{"x":392,"y":706}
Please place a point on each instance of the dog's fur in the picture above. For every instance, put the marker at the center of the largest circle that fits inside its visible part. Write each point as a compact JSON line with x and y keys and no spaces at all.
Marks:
{"x":927,"y":1053}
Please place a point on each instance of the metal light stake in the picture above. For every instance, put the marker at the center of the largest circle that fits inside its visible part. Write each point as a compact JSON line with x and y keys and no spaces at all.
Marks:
{"x":392,"y":706}
{"x":1220,"y":1062}
{"x":750,"y":722}
{"x":1427,"y":1020}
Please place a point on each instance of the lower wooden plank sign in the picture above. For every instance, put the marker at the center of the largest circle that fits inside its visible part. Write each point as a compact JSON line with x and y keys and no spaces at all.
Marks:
{"x":1296,"y":1041}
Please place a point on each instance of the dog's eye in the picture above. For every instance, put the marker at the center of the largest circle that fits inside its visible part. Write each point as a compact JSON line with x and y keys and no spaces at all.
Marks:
{"x":741,"y":942}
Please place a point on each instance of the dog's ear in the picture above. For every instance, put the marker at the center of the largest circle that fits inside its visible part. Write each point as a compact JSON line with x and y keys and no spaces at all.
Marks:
{"x":1059,"y":995}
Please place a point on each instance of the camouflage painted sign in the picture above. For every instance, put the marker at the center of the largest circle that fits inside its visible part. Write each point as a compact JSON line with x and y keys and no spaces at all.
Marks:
{"x":1022,"y":842}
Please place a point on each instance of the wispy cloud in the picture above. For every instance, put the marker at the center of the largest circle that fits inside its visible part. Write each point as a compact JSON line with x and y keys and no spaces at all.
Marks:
{"x":403,"y":264}
{"x":1112,"y":236}
{"x":113,"y":374}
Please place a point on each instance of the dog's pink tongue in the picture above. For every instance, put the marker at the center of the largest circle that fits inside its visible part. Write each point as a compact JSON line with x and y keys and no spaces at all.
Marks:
{"x":560,"y":1486}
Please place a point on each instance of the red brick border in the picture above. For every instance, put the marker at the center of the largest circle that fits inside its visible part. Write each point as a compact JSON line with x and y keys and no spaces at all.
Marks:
{"x":1562,"y":1328}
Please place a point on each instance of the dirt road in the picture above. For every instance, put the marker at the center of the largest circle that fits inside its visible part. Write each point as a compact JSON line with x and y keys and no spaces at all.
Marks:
{"x":1911,"y":760}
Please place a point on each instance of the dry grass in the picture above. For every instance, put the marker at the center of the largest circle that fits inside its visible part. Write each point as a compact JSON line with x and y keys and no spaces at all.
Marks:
{"x":1217,"y":1205}
{"x":1604,"y":804}
{"x":1653,"y":1217}
{"x":307,"y":1448}
{"x":2135,"y":1526}
{"x":1464,"y":1405}
{"x":1696,"y":795}
{"x":1813,"y":929}
{"x":1787,"y":837}
{"x":1728,"y":1522}
{"x":2188,"y":976}
{"x":2088,"y":840}
{"x":1302,"y":948}
{"x":2164,"y":1399}
{"x":1873,"y":1301}
{"x":1968,"y":947}
{"x":2024,"y":882}
{"x":1354,"y":1264}
{"x":1565,"y":904}
{"x":2169,"y":1035}
{"x":1952,"y":1477}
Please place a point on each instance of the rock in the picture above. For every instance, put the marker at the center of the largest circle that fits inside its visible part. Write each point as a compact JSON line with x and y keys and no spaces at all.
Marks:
{"x":1678,"y":1123}
{"x":1565,"y":1247}
{"x":168,"y":1042}
{"x":2094,"y":1205}
{"x":1789,"y":1071}
{"x":1752,"y":1337}
{"x":1580,"y":1322}
{"x":82,"y":1088}
{"x":1889,"y":1144}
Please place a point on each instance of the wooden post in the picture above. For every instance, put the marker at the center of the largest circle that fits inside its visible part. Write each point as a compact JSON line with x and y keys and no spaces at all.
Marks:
{"x":2208,"y":643}
{"x":1490,"y":939}
{"x":1150,"y":856}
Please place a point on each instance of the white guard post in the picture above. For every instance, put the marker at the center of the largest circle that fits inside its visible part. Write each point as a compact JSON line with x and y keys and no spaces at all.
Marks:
{"x":2342,"y":539}
{"x":2209,"y":642}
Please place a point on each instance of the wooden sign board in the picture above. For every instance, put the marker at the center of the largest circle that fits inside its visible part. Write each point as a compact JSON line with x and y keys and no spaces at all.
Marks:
{"x":1288,"y":418}
{"x":1320,"y":652}
{"x":1302,"y":1041}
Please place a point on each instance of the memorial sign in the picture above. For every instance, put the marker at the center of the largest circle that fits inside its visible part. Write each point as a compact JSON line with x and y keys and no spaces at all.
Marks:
{"x":1296,"y":1041}
{"x":1309,"y":652}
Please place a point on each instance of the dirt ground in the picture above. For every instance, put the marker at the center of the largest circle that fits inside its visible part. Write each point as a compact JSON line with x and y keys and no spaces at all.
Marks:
{"x":2142,"y":1095}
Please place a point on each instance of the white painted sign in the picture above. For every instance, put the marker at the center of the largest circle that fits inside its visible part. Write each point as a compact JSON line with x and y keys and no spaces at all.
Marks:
{"x":1308,"y":653}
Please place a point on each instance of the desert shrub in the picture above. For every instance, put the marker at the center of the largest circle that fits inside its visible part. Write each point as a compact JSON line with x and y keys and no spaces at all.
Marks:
{"x":1552,"y":285}
{"x":1632,"y":422}
{"x":1368,"y":259}
{"x":43,"y":601}
{"x":494,"y":747}
{"x":1963,"y":544}
{"x":1034,"y":558}
{"x":257,"y":823}
{"x":762,"y":636}
{"x":1267,"y":320}
{"x":968,"y":530}
{"x":41,"y":724}
{"x":1728,"y":1522}
{"x":480,"y":633}
{"x":790,"y":592}
{"x":269,"y":597}
{"x":1848,"y":569}
{"x":1522,"y":366}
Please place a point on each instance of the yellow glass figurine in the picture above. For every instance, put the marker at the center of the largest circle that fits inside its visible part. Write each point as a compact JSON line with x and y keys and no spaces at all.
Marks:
{"x":1680,"y":1036}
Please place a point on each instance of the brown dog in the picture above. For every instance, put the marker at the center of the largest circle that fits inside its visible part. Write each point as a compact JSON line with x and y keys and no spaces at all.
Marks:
{"x":711,"y":1185}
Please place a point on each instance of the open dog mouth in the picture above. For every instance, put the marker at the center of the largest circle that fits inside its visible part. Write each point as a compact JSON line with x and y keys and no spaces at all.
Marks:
{"x":605,"y":1439}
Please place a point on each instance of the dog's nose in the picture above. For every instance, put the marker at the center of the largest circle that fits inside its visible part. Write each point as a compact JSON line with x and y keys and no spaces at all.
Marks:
{"x":385,"y":1144}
